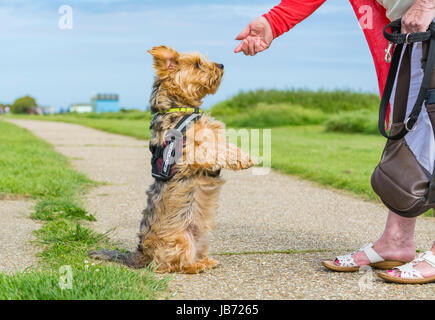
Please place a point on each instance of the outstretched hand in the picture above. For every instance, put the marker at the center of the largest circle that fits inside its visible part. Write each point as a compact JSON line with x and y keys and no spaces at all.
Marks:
{"x":419,"y":16}
{"x":256,"y":37}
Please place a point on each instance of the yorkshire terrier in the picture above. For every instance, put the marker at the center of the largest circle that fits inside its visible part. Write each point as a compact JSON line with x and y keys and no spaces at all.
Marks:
{"x":178,"y":219}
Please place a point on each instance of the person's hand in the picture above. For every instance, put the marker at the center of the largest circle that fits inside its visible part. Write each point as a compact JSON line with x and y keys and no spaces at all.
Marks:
{"x":256,"y":37}
{"x":419,"y":16}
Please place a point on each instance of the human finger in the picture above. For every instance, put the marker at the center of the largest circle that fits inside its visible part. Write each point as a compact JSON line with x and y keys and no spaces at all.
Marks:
{"x":242,"y":35}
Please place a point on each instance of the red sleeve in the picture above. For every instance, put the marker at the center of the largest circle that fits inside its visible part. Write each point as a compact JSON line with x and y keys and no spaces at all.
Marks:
{"x":289,"y":13}
{"x":373,"y":20}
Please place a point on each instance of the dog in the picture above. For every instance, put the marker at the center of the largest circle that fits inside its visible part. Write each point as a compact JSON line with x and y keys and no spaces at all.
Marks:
{"x":178,"y":219}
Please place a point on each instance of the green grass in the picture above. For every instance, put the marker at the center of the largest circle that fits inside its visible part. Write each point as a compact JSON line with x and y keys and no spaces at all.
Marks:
{"x":360,"y":121}
{"x":265,"y":115}
{"x":326,"y":101}
{"x":55,"y":208}
{"x":91,"y":283}
{"x":343,"y":161}
{"x":31,"y":168}
{"x":340,"y":111}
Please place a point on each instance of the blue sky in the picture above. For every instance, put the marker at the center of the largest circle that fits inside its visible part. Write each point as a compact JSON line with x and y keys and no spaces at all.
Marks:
{"x":105,"y":52}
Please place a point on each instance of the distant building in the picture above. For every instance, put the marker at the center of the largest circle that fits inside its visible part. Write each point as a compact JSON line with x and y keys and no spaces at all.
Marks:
{"x":45,"y":110}
{"x":81,"y":107}
{"x":105,"y":103}
{"x":4,"y":109}
{"x":40,"y":110}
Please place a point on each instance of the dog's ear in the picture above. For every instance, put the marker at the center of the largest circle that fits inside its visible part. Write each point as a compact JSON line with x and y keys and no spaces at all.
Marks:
{"x":164,"y":58}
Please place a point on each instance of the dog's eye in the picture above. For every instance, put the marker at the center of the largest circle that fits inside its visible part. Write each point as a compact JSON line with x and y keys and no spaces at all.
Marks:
{"x":197,"y":65}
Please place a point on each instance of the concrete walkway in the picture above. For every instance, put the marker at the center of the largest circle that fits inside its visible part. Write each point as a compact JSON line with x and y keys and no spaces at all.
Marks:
{"x":271,"y":231}
{"x":17,"y":252}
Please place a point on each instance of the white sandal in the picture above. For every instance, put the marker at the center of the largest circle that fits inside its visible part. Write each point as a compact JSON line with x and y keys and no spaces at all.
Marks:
{"x":410,"y":275}
{"x":346,"y":263}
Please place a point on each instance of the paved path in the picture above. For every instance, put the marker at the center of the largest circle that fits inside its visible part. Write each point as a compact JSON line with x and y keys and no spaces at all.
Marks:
{"x":16,"y":253}
{"x":259,"y":216}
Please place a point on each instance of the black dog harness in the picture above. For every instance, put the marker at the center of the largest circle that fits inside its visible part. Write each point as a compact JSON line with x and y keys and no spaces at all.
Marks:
{"x":164,"y":157}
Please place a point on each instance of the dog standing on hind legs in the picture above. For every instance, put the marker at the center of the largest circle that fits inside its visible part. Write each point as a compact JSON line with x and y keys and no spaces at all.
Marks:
{"x":178,"y":219}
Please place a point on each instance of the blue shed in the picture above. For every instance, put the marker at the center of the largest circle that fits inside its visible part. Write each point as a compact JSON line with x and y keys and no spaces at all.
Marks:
{"x":105,"y":103}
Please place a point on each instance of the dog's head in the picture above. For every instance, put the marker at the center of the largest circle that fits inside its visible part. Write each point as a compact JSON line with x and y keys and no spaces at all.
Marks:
{"x":185,"y":77}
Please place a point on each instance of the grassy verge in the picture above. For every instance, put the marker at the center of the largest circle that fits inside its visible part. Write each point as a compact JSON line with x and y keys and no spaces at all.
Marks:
{"x":119,"y":123}
{"x":342,"y":111}
{"x":360,"y":121}
{"x":326,"y":101}
{"x":29,"y":167}
{"x":343,"y":161}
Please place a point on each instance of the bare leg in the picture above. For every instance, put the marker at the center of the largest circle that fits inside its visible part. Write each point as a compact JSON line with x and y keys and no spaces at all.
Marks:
{"x":396,"y":243}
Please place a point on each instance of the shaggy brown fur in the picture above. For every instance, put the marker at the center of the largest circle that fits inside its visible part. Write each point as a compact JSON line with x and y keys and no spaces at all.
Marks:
{"x":178,"y":218}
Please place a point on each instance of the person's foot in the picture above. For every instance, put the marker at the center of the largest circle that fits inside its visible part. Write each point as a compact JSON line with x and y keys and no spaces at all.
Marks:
{"x":394,"y":248}
{"x":425,"y":269}
{"x":389,"y":250}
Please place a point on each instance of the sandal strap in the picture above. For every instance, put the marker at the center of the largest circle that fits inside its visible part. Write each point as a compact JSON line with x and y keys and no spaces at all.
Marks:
{"x":407,"y":271}
{"x":428,"y":257}
{"x":372,"y":255}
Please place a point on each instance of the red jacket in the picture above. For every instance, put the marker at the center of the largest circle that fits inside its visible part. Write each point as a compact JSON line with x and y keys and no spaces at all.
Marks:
{"x":288,"y":13}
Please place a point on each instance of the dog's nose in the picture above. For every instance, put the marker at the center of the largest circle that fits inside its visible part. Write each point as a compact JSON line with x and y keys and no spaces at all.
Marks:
{"x":220,"y":66}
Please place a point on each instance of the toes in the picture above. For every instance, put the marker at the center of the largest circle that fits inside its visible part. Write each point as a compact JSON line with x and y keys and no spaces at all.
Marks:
{"x":394,"y":273}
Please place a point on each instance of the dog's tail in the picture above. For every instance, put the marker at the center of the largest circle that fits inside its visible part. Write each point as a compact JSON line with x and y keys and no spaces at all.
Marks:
{"x":131,"y":259}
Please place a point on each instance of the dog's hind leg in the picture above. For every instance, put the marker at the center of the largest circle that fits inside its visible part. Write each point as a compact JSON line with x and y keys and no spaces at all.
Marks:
{"x":208,"y":262}
{"x":176,"y":253}
{"x":202,"y":253}
{"x":201,"y":261}
{"x":194,"y":268}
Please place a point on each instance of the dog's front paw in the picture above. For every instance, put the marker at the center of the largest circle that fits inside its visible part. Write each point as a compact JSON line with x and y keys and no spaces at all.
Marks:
{"x":251,"y":163}
{"x":247,"y":162}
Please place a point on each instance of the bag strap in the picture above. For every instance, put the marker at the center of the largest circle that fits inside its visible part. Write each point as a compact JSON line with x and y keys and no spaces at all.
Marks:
{"x":400,"y":40}
{"x":402,"y":86}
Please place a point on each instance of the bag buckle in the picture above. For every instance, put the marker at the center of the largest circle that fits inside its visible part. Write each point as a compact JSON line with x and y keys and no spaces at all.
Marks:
{"x":388,"y":55}
{"x":413,"y":127}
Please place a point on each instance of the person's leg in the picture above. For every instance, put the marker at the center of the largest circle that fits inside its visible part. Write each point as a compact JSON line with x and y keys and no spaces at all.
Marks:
{"x":396,"y":243}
